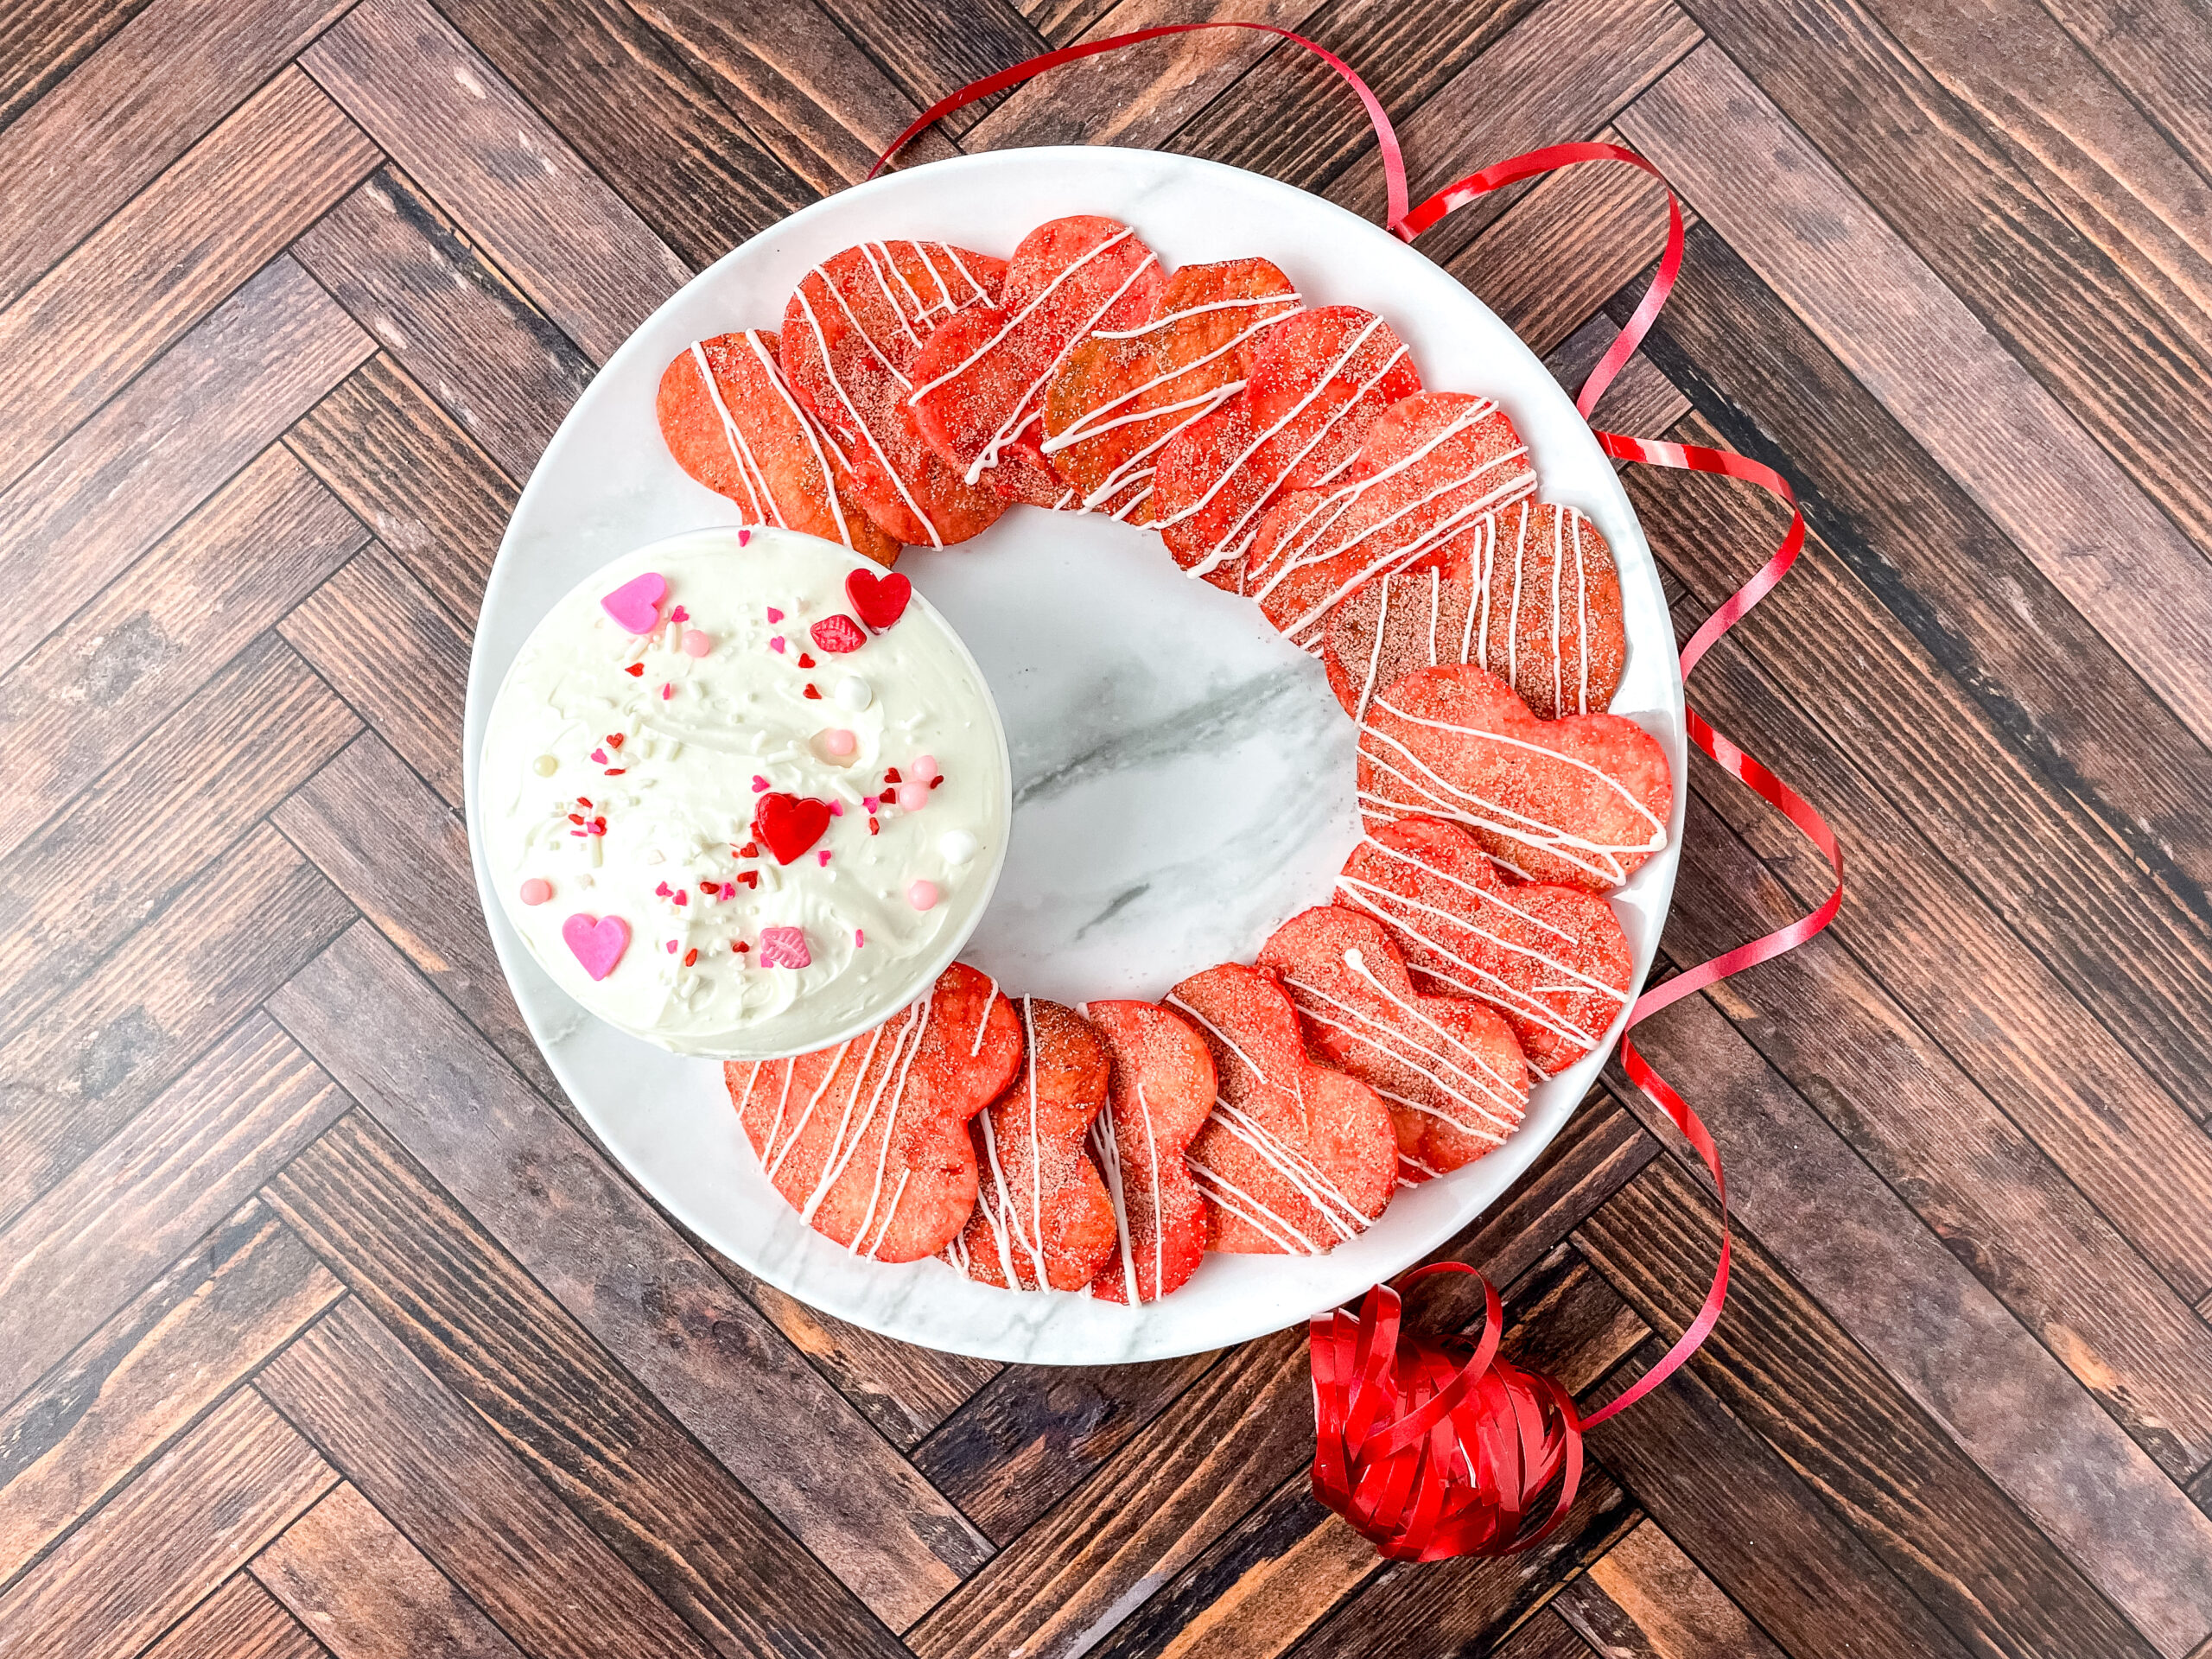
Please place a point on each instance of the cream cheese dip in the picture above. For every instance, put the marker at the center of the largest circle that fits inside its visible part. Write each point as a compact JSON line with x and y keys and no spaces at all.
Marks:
{"x":728,"y":816}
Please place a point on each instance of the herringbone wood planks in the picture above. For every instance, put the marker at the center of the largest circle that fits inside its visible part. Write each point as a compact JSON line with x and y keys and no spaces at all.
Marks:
{"x":326,"y":1330}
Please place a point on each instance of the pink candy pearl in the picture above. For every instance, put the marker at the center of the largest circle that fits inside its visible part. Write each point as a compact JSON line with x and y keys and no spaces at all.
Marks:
{"x":913,"y":797}
{"x":537,"y":890}
{"x":695,"y":643}
{"x":924,"y":766}
{"x":921,"y":895}
{"x":839,"y":741}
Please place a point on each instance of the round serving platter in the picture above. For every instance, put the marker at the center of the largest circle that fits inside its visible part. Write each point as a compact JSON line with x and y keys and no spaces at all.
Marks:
{"x":1183,"y":778}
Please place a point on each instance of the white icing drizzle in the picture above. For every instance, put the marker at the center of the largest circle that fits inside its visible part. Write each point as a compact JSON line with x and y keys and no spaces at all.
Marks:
{"x":1105,"y":1140}
{"x":763,"y":505}
{"x":1404,"y":915}
{"x":1004,"y":1218}
{"x":1096,"y":422}
{"x":1237,"y":536}
{"x":919,"y":1015}
{"x":829,"y":372}
{"x":1299,"y":1172}
{"x":1460,"y":1072}
{"x":1440,"y":797}
{"x":1309,"y":542}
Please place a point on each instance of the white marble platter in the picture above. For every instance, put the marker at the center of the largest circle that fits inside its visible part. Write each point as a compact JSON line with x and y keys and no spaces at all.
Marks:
{"x":1183,"y":778}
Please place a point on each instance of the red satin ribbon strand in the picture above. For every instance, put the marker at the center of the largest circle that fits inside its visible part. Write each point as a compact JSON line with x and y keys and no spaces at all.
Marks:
{"x":1428,"y":1457}
{"x":1549,"y":159}
{"x":1394,"y":161}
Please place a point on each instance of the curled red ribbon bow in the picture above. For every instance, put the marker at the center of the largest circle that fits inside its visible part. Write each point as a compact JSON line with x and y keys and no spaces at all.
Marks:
{"x":1429,"y":1455}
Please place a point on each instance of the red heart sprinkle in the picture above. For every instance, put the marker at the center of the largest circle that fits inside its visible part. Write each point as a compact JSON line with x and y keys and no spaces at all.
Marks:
{"x":838,"y":634}
{"x":891,"y":775}
{"x":751,"y":878}
{"x":880,"y":600}
{"x":812,"y":696}
{"x":790,"y":824}
{"x":615,"y":739}
{"x":805,"y":660}
{"x":635,"y":669}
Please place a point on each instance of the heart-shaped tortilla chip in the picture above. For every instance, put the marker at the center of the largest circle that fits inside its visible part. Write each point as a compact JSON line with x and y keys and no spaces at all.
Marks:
{"x":980,"y":382}
{"x":1581,"y":800}
{"x":1162,"y":1092}
{"x":851,"y":333}
{"x":1123,"y":395}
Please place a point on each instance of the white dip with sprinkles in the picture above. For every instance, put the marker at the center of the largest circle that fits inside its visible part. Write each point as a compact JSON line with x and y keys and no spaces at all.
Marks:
{"x":738,"y":804}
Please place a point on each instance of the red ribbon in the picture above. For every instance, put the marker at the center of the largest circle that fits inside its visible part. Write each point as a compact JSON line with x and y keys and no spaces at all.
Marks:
{"x":1425,"y":1454}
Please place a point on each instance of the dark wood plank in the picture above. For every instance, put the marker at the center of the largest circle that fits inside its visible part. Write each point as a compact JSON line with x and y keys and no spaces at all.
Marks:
{"x":1640,"y":399}
{"x":352,"y":1578}
{"x":2060,"y":1073}
{"x":1645,"y":1599}
{"x":1291,"y":118}
{"x":1291,"y":1574}
{"x":552,"y":1201}
{"x":496,"y":1340}
{"x":387,"y":647}
{"x":408,"y":471}
{"x":1989,"y":229}
{"x":432,"y":1465}
{"x":135,"y":652}
{"x":2079,"y":902}
{"x":126,"y":1213}
{"x":537,"y":211}
{"x":2078,"y":138}
{"x":62,"y":905}
{"x":401,"y":855}
{"x":236,"y":1297}
{"x":162,"y":447}
{"x":87,"y":1066}
{"x":635,"y":111}
{"x":1904,"y":1487}
{"x":933,"y":51}
{"x":1761,"y":1532}
{"x":239,"y":1621}
{"x":904,"y":1390}
{"x":798,"y":81}
{"x":168,"y":1539}
{"x":2067,"y":706}
{"x":1994,"y":1199}
{"x":140,"y":102}
{"x":2161,"y":51}
{"x":41,"y":41}
{"x":1546,"y":1635}
{"x":1938,"y":1333}
{"x":79,"y":334}
{"x":1920,"y":349}
{"x":1558,"y":253}
{"x":1564,"y":73}
{"x":459,"y":328}
{"x":1140,"y":95}
{"x":1026,"y":1440}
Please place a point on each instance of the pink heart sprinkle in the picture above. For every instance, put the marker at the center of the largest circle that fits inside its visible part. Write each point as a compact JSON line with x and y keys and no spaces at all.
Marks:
{"x":661,"y":892}
{"x":837,"y":809}
{"x":666,"y":692}
{"x":775,"y":615}
{"x":871,"y":802}
{"x":671,"y":947}
{"x":597,"y":942}
{"x":682,"y":897}
{"x":743,"y":537}
{"x":679,"y":614}
{"x":776,"y":643}
{"x":635,"y":606}
{"x":758,"y":782}
{"x":824,"y":857}
{"x":783,"y":947}
{"x":599,"y":757}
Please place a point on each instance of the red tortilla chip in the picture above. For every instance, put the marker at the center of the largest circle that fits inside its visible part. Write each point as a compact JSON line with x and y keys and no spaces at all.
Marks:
{"x":731,"y":423}
{"x":1163,"y":1088}
{"x":980,"y":382}
{"x":851,"y":333}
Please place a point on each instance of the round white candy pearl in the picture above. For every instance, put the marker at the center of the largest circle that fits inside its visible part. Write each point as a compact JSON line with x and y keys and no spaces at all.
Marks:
{"x":854,"y":693}
{"x":957,"y":846}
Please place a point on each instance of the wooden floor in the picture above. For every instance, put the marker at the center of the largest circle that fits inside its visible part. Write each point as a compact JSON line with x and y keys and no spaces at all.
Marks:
{"x":323,"y":1327}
